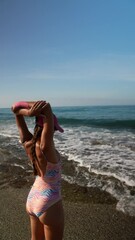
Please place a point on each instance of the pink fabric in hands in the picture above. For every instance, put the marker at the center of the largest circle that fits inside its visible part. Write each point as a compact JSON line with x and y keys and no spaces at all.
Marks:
{"x":21,"y":104}
{"x":56,"y":124}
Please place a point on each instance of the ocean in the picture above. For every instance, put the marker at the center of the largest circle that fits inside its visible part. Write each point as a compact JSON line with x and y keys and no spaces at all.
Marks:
{"x":99,"y":139}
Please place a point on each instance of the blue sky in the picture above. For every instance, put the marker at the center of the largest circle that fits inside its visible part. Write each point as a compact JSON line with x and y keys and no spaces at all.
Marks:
{"x":68,"y":52}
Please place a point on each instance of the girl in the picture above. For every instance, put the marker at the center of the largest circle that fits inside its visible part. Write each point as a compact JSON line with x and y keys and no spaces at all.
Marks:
{"x":44,"y":203}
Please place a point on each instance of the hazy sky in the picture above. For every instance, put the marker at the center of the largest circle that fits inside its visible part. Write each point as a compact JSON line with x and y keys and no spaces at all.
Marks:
{"x":68,"y":52}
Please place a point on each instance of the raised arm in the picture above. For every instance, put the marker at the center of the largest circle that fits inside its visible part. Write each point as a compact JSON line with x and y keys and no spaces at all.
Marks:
{"x":25,"y":134}
{"x":46,"y":143}
{"x":28,"y":108}
{"x":22,"y":109}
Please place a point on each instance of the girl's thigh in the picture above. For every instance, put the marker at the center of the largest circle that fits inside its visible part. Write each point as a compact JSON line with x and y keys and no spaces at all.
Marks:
{"x":37,"y":229}
{"x":53,"y":232}
{"x":53,"y":220}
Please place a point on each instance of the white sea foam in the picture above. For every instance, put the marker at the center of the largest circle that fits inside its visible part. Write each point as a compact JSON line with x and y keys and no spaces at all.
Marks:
{"x":9,"y":135}
{"x":17,"y":165}
{"x":124,"y":180}
{"x":103,"y":151}
{"x":127,"y":205}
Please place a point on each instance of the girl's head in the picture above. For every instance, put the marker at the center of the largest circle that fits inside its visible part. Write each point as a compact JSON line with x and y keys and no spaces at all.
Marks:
{"x":40,"y":122}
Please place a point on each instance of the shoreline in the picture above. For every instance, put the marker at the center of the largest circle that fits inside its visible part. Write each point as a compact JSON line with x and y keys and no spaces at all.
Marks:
{"x":89,"y":214}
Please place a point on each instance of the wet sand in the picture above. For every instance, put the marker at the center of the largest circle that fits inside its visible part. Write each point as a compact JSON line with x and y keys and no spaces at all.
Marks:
{"x":90,"y":214}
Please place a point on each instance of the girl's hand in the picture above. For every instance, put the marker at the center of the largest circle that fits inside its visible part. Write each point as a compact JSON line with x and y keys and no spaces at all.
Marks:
{"x":37,"y":108}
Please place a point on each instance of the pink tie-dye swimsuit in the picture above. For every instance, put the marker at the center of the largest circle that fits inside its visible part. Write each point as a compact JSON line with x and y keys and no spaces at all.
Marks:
{"x":45,"y":191}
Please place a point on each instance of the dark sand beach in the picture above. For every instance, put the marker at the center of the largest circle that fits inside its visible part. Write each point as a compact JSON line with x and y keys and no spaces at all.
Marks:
{"x":89,"y":214}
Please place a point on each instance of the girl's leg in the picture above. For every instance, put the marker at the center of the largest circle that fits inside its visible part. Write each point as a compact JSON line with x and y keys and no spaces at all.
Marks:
{"x":53,"y":232}
{"x":53,"y":220}
{"x":37,"y":229}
